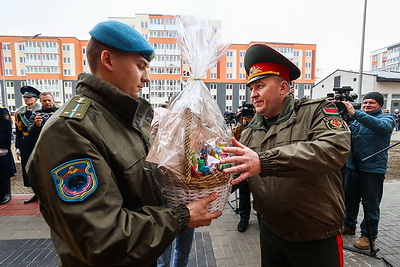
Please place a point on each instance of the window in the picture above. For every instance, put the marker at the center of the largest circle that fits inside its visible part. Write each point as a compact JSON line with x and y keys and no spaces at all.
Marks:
{"x":229,"y":53}
{"x":242,"y":53}
{"x":6,"y":47}
{"x":67,"y":72}
{"x":229,"y":76}
{"x":229,"y":64}
{"x":296,"y":53}
{"x":144,"y":24}
{"x":213,"y":75}
{"x":21,"y":47}
{"x":228,"y":97}
{"x":67,"y":60}
{"x":308,"y":65}
{"x":8,"y":72}
{"x":242,"y":76}
{"x":308,"y":53}
{"x":307,"y":76}
{"x":7,"y":60}
{"x":229,"y":87}
{"x":66,"y":48}
{"x":84,"y":50}
{"x":213,"y":86}
{"x":22,"y":60}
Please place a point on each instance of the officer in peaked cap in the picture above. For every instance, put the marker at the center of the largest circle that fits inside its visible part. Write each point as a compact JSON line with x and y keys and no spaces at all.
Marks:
{"x":89,"y":163}
{"x":29,"y":91}
{"x":24,"y":143}
{"x":262,"y":61}
{"x":291,"y":154}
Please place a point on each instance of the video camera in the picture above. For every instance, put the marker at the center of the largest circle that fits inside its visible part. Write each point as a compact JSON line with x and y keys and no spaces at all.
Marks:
{"x":343,"y":94}
{"x":230,"y":117}
{"x":247,"y":110}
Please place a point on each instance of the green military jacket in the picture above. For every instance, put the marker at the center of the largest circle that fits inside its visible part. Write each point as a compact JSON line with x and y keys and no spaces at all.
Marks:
{"x":88,"y":172}
{"x":299,"y":190}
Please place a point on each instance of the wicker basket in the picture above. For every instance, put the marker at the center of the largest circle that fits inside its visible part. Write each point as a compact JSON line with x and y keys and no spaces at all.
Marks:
{"x":187,"y":189}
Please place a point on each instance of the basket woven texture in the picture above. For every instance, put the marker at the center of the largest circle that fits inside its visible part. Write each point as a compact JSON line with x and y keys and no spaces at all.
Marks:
{"x":188,"y":188}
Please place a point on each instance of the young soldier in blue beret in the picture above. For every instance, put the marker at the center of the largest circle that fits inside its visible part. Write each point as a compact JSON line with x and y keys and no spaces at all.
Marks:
{"x":88,"y":168}
{"x":291,"y":155}
{"x":24,"y":142}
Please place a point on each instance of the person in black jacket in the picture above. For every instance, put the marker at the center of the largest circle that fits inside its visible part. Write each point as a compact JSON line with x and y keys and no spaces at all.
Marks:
{"x":39,"y":118}
{"x":7,"y":165}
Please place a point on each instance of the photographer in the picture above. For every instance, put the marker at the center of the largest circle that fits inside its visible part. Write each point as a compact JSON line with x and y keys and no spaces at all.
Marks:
{"x":371,"y":130}
{"x":39,"y":118}
{"x":244,"y":117}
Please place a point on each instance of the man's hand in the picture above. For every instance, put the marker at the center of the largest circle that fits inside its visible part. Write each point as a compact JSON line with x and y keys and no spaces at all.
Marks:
{"x":38,"y":120}
{"x":246,"y":160}
{"x":3,"y":151}
{"x":349,"y":107}
{"x":199,"y":216}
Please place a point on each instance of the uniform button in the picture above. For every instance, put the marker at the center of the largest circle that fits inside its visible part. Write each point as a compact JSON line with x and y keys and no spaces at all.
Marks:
{"x":148,"y":119}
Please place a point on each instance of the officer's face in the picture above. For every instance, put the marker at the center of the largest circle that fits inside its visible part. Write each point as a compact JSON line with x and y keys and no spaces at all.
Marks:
{"x":370,"y":105}
{"x":130,"y":73}
{"x":267,"y":95}
{"x":30,"y":101}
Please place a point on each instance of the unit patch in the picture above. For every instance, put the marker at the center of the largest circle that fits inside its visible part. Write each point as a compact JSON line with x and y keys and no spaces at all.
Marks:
{"x":335,"y":123}
{"x":75,"y":180}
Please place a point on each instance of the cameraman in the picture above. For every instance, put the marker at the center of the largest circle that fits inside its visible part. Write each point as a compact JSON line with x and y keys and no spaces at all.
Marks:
{"x":244,"y":117}
{"x":39,"y":118}
{"x":371,"y":130}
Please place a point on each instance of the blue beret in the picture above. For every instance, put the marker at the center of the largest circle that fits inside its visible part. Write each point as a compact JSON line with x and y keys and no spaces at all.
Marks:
{"x":122,"y":37}
{"x":29,"y":91}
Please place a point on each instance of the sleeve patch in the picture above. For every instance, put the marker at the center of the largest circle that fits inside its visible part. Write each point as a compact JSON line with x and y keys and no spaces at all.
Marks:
{"x":335,"y":123}
{"x":75,"y":180}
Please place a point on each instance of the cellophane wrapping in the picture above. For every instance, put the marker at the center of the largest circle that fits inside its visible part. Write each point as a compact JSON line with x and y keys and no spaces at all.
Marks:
{"x":192,"y":133}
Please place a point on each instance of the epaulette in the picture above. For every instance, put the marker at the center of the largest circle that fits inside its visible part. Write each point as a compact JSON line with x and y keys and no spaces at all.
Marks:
{"x":76,"y":108}
{"x":306,"y":101}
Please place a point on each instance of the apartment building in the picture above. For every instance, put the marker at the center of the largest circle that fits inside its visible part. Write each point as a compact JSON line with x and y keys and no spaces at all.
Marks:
{"x":47,"y":63}
{"x":386,"y":58}
{"x":53,"y":64}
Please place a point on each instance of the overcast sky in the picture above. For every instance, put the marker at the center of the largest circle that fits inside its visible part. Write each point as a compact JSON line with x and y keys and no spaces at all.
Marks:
{"x":334,"y":26}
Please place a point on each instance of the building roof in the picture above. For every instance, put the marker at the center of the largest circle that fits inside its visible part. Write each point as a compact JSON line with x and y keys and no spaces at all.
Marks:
{"x":381,"y":76}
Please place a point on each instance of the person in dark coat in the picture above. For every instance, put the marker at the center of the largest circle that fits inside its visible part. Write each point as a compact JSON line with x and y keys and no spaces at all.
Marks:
{"x":24,"y":143}
{"x":7,"y":165}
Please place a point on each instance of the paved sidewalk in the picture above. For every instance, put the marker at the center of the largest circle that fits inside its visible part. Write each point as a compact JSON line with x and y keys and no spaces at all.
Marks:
{"x":24,"y":237}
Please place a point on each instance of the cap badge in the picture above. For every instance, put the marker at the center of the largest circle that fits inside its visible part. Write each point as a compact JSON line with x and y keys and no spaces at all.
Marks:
{"x":254,"y":70}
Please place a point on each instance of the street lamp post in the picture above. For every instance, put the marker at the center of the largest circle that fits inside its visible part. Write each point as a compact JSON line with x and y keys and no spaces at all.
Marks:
{"x":4,"y":90}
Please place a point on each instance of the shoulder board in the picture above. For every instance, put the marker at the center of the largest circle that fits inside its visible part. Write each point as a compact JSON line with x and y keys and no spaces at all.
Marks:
{"x":1,"y":107}
{"x":76,"y":108}
{"x":306,"y":101}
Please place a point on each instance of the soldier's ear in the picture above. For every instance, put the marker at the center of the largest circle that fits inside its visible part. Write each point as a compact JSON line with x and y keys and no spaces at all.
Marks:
{"x":106,"y":59}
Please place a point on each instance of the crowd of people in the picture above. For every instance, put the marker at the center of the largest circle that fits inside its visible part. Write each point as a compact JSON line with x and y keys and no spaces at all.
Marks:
{"x":86,"y":164}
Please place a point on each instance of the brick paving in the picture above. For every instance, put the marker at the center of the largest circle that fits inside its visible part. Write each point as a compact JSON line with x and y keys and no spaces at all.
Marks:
{"x":25,"y":238}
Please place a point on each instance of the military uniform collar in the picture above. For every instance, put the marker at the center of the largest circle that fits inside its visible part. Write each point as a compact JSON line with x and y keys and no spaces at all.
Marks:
{"x":286,"y":112}
{"x":132,"y":110}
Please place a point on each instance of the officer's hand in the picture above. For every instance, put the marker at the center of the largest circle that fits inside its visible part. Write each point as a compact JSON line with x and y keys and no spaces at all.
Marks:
{"x":38,"y":120}
{"x":349,"y":107}
{"x":199,"y":216}
{"x":246,"y":161}
{"x":3,"y":151}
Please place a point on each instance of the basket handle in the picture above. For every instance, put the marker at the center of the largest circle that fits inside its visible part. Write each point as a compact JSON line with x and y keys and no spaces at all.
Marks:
{"x":187,"y":133}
